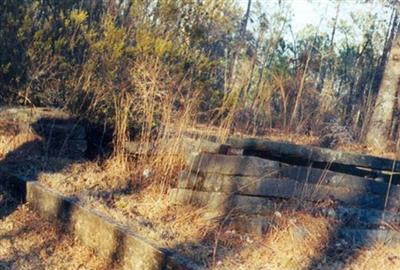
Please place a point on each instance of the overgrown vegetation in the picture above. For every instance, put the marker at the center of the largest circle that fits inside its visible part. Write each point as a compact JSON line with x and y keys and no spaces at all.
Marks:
{"x":139,"y":65}
{"x":151,"y":69}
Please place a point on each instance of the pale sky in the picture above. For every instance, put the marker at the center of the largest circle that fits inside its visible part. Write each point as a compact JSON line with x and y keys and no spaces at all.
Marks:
{"x":311,"y":11}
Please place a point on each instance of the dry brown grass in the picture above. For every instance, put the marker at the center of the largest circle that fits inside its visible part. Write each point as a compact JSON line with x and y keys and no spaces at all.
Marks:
{"x":27,"y":242}
{"x":365,"y":149}
{"x":377,"y":257}
{"x":134,"y":194}
{"x":293,"y":239}
{"x":270,"y":134}
{"x":292,"y":242}
{"x":196,"y":232}
{"x":146,"y":211}
{"x":10,"y":143}
{"x":301,"y":139}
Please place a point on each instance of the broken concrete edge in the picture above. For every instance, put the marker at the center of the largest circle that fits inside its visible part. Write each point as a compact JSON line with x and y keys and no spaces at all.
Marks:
{"x":233,"y":165}
{"x":247,"y":221}
{"x":317,"y":154}
{"x":311,"y":153}
{"x":124,"y":248}
{"x":188,"y":144}
{"x":222,"y":202}
{"x":314,"y":176}
{"x":284,"y":188}
{"x":355,"y":209}
{"x":325,"y":176}
{"x":355,"y":235}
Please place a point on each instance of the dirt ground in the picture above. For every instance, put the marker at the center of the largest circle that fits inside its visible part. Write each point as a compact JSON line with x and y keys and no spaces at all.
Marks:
{"x":27,"y":242}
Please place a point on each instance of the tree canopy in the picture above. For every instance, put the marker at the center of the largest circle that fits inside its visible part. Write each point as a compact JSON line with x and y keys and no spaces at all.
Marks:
{"x":221,"y":62}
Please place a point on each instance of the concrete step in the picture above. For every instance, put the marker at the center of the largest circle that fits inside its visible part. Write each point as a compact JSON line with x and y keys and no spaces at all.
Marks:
{"x":233,"y":165}
{"x":327,"y":177}
{"x":284,"y":188}
{"x":222,"y":202}
{"x":306,"y":154}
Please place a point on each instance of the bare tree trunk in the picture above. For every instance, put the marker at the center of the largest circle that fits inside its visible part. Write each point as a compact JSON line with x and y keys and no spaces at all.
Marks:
{"x":253,"y":65}
{"x":327,"y":66}
{"x":390,"y":35}
{"x":299,"y":95}
{"x":382,"y":117}
{"x":236,"y":52}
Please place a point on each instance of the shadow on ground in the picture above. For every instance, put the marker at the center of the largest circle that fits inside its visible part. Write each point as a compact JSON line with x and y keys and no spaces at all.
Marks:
{"x":352,"y":234}
{"x":27,"y":242}
{"x":57,"y":143}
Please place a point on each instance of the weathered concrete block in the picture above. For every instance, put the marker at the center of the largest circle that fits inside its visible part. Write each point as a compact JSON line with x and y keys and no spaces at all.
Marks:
{"x":308,"y":153}
{"x":345,"y":196}
{"x":284,"y":188}
{"x":61,"y":134}
{"x":222,"y":201}
{"x":200,"y":145}
{"x":245,"y":185}
{"x":316,"y":154}
{"x":214,"y":200}
{"x":123,"y":248}
{"x":233,"y":165}
{"x":326,"y":177}
{"x":188,"y":147}
{"x":192,"y":148}
{"x":252,"y":205}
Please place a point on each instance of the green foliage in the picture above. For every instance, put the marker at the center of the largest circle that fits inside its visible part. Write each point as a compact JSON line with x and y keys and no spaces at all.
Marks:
{"x":89,"y":56}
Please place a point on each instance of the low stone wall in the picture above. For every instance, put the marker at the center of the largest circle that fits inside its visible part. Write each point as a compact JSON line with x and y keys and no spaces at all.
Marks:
{"x":122,"y":247}
{"x":55,"y":133}
{"x":235,"y":181}
{"x":59,"y":140}
{"x":116,"y":243}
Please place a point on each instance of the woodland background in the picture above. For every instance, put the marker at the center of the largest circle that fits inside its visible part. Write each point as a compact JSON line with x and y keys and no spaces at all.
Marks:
{"x":140,"y":65}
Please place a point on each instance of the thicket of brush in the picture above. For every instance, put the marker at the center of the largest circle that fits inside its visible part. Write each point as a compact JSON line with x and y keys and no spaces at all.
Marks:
{"x":142,"y":65}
